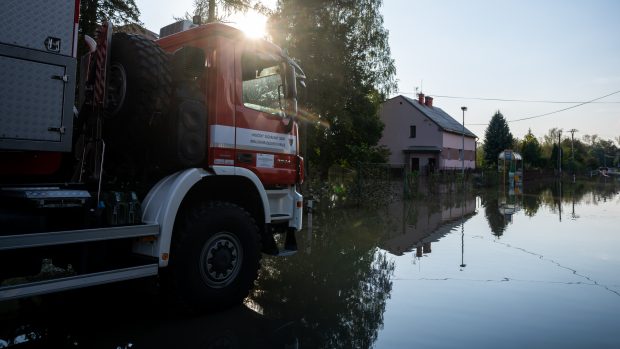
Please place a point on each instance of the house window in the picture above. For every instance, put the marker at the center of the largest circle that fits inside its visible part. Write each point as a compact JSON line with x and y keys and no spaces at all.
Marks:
{"x":412,"y":131}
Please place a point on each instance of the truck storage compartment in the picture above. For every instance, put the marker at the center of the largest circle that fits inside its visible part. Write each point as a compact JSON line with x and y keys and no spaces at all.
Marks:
{"x":36,"y":100}
{"x":40,"y":25}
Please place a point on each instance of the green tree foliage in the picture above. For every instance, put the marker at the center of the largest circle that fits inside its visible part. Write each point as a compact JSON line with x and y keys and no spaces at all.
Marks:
{"x":497,"y":137}
{"x":219,"y":10}
{"x":531,"y":150}
{"x":118,"y":12}
{"x":605,"y":152}
{"x":343,"y":48}
{"x":589,"y":153}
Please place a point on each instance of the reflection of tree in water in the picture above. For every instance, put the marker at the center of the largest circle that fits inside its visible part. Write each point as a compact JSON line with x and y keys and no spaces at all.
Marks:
{"x":549,"y":194}
{"x":337,"y":293}
{"x":531,"y":204}
{"x":496,"y":219}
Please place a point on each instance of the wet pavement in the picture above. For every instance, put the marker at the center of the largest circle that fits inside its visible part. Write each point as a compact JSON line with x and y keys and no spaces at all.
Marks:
{"x":484,"y":268}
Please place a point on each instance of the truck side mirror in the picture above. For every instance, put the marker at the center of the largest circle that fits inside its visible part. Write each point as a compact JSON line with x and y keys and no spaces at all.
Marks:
{"x":291,"y":83}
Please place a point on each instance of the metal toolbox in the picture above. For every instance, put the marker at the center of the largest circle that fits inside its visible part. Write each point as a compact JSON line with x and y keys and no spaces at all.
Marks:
{"x":37,"y":92}
{"x":48,"y":25}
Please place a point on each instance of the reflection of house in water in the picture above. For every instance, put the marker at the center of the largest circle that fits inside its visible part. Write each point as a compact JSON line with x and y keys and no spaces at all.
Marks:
{"x":422,"y":222}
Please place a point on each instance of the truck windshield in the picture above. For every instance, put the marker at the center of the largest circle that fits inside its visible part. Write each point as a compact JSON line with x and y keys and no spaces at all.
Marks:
{"x":262,"y":82}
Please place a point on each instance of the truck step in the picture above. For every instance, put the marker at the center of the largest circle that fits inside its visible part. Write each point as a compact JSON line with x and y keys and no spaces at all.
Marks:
{"x":11,"y":242}
{"x":47,"y":197}
{"x":77,"y":281}
{"x":286,"y":253}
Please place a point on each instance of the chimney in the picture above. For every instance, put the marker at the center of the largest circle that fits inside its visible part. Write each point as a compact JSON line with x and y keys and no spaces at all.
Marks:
{"x":421,"y":98}
{"x":429,"y":101}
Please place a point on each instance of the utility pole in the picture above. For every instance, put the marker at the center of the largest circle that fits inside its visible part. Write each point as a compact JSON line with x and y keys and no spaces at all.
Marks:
{"x":560,"y":152}
{"x":572,"y":149}
{"x":463,"y":145}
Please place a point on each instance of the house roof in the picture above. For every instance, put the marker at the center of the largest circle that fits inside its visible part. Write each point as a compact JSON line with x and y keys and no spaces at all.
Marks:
{"x":440,"y":117}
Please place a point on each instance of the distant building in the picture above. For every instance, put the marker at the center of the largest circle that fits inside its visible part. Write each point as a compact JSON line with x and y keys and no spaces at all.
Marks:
{"x":423,"y":137}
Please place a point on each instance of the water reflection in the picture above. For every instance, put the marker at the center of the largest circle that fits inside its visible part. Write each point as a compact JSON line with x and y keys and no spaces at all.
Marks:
{"x":357,"y":282}
{"x":426,"y":220}
{"x":132,"y":316}
{"x":501,"y":205}
{"x":335,"y":291}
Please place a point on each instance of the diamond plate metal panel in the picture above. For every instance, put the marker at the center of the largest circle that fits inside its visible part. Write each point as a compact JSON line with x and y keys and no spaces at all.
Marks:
{"x":30,"y":24}
{"x":31,"y":99}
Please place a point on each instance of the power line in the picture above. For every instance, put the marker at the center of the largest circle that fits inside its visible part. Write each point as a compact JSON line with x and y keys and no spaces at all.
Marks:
{"x":512,"y":100}
{"x":561,"y":110}
{"x":556,"y":111}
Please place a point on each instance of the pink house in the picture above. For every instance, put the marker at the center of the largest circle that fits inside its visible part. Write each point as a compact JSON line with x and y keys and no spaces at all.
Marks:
{"x":423,"y":137}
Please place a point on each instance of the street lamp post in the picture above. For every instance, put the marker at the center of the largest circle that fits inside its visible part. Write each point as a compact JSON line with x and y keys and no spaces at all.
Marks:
{"x":463,"y":143}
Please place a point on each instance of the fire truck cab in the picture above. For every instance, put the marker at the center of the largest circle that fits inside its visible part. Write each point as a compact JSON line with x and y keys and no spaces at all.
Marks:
{"x":180,"y":159}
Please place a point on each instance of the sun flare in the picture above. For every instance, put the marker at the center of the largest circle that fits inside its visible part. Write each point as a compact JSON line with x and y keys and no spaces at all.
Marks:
{"x":253,"y":24}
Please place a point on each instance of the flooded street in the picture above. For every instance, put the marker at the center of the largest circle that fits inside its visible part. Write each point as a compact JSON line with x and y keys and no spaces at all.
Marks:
{"x":484,"y":268}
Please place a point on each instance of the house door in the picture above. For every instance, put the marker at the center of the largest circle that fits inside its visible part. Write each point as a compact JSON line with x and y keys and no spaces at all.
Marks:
{"x":432,"y":165}
{"x":415,"y":164}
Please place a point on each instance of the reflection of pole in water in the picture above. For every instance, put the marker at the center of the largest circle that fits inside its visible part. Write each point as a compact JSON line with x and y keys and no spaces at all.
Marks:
{"x":560,"y":202}
{"x":463,"y":265}
{"x":573,"y":214}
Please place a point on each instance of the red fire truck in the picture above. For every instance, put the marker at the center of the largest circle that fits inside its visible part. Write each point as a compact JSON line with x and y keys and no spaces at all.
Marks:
{"x":178,"y":158}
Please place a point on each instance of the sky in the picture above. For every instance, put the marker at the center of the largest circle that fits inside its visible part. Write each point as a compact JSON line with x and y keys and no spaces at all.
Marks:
{"x":551,"y":50}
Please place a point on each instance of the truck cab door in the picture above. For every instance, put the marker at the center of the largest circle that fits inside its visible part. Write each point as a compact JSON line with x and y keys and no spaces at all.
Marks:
{"x":264,"y":141}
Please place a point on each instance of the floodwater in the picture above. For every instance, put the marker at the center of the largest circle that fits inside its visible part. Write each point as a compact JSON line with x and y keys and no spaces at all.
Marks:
{"x":535,"y":268}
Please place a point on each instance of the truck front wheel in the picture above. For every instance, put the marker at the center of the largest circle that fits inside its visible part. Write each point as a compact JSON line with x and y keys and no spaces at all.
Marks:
{"x":215,"y":256}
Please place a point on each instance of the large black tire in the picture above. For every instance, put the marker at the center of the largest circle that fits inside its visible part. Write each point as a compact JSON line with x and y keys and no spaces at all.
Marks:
{"x":215,"y":257}
{"x":140,"y":82}
{"x":139,"y":95}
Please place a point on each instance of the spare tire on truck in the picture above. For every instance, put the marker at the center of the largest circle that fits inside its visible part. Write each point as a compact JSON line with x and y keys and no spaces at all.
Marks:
{"x":137,"y":99}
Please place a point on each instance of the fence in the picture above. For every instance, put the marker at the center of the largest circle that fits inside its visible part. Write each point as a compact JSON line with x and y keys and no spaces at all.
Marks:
{"x":373,"y":184}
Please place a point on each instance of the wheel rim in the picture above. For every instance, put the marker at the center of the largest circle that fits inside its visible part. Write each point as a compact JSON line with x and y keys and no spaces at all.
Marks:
{"x":117,"y":88}
{"x":220,"y":259}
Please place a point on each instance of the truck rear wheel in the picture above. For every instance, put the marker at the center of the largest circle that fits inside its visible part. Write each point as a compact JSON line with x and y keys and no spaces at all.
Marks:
{"x":215,"y":256}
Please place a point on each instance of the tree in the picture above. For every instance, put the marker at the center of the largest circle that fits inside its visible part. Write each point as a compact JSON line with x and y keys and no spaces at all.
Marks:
{"x":551,"y":137}
{"x":343,"y":48}
{"x":497,"y":137}
{"x":531,"y":150}
{"x":118,"y":12}
{"x":605,"y":152}
{"x":218,"y":10}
